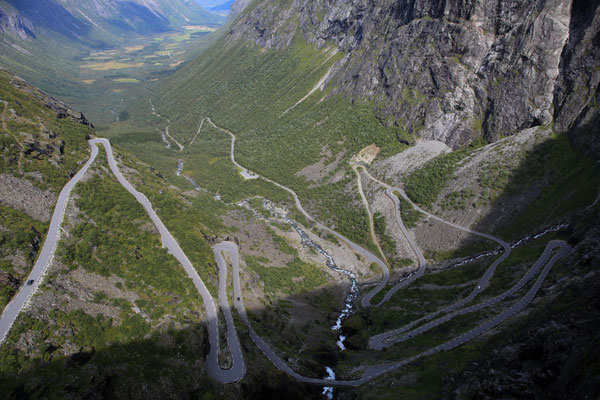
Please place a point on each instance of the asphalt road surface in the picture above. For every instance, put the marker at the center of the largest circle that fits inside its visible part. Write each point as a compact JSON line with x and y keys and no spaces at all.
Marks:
{"x":373,"y":372}
{"x":370,"y":257}
{"x":238,"y":368}
{"x":377,"y":342}
{"x":44,"y":259}
{"x":11,"y":312}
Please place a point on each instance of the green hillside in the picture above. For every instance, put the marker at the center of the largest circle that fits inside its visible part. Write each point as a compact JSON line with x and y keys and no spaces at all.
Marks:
{"x":42,"y":143}
{"x":253,"y":93}
{"x":137,"y":303}
{"x":490,"y":256}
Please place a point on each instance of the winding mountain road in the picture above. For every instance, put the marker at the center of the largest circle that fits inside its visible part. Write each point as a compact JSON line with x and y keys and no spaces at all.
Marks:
{"x":44,"y":259}
{"x":385,"y":339}
{"x":166,"y":134}
{"x":238,"y":368}
{"x":171,"y":137}
{"x":370,"y":257}
{"x":422,"y":264}
{"x":377,"y":342}
{"x":11,"y":312}
{"x":375,"y":371}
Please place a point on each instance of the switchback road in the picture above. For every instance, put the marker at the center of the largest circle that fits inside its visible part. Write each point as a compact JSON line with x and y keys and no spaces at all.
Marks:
{"x":238,"y":368}
{"x":13,"y":309}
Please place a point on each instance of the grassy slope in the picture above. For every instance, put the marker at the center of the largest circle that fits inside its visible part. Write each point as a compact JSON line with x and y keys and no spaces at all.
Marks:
{"x":20,"y":231}
{"x":569,"y":177}
{"x":123,"y":248}
{"x":247,"y":90}
{"x":278,"y":146}
{"x":33,"y":117}
{"x":112,"y":238}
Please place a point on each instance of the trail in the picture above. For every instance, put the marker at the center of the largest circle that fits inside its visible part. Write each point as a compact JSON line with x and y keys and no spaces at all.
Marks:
{"x":171,"y":137}
{"x":319,"y":85}
{"x":369,"y":213}
{"x":197,"y":132}
{"x":370,"y":257}
{"x":165,"y":134}
{"x":594,"y":203}
{"x":385,"y":339}
{"x":374,"y":371}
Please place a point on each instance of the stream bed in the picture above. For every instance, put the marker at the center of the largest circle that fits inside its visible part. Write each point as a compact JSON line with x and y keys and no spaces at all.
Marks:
{"x":330,"y":263}
{"x":514,"y":245}
{"x":179,"y":172}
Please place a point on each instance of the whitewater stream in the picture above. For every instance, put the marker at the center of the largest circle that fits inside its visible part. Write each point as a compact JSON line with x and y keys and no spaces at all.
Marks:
{"x":330,"y":263}
{"x":518,"y":243}
{"x":179,"y":172}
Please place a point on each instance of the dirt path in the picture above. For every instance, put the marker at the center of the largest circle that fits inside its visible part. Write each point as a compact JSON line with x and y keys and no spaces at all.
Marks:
{"x":374,"y":238}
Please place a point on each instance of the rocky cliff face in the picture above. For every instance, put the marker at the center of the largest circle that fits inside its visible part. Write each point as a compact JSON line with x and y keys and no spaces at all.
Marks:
{"x":576,"y":95}
{"x":450,"y":70}
{"x":237,"y":7}
{"x":12,"y":23}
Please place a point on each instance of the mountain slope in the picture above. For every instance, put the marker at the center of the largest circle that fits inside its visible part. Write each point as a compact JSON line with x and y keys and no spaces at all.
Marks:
{"x":316,"y":91}
{"x":111,"y":290}
{"x":223,"y":6}
{"x":306,"y":85}
{"x":437,"y":70}
{"x":324,"y":80}
{"x":47,"y":42}
{"x":43,"y":144}
{"x":82,"y":20}
{"x":116,"y":315}
{"x":448,"y":71}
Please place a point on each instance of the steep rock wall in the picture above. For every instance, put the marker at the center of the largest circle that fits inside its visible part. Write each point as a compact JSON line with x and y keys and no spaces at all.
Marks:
{"x":14,"y":24}
{"x":448,"y":70}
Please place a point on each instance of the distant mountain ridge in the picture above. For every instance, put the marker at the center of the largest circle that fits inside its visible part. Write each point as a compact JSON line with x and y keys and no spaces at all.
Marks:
{"x":46,"y":42}
{"x":96,"y":23}
{"x":223,"y":6}
{"x":12,"y":22}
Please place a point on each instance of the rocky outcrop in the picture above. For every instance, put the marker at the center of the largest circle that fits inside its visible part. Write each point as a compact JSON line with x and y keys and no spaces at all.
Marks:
{"x":548,"y":360}
{"x":14,"y":24}
{"x":576,"y":97}
{"x":8,"y":280}
{"x":21,"y":194}
{"x":237,"y":7}
{"x":447,"y":70}
{"x":63,"y":111}
{"x":542,"y":363}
